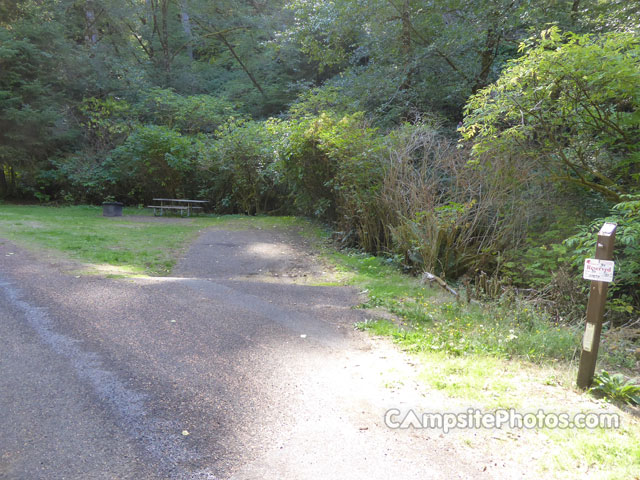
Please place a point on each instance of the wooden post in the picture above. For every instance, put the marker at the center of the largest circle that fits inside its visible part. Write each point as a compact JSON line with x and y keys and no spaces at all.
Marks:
{"x":595,"y":310}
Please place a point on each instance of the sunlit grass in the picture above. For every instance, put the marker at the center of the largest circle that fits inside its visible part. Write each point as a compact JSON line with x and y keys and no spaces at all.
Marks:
{"x":382,"y":279}
{"x":439,"y":323}
{"x":84,"y":234}
{"x":607,"y":454}
{"x":480,"y":379}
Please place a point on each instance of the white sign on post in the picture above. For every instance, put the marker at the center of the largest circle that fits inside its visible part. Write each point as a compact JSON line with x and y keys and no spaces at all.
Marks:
{"x":598,"y":270}
{"x":587,"y":340}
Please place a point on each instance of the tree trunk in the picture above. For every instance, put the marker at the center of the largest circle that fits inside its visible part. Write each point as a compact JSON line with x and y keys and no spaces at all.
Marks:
{"x":91,"y":32}
{"x":575,"y":7}
{"x":406,"y":30}
{"x":405,"y":18}
{"x":159,"y":16}
{"x":3,"y":182}
{"x":12,"y":182}
{"x":487,"y":57}
{"x":164,"y":39}
{"x":186,"y":26}
{"x":244,"y":67}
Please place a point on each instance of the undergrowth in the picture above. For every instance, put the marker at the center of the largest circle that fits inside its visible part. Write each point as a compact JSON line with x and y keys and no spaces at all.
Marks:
{"x":433,"y":321}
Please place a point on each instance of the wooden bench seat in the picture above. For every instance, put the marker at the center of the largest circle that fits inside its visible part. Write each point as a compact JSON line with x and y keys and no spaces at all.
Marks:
{"x":168,"y":207}
{"x":162,"y":208}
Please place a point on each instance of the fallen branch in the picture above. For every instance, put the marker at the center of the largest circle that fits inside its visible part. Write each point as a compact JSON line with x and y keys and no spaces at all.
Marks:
{"x":431,"y":278}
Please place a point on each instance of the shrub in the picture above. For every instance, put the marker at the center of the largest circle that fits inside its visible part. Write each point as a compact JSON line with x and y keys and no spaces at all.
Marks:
{"x":187,"y":114}
{"x":444,"y":215}
{"x":308,"y":170}
{"x":107,"y":122}
{"x":614,"y":387}
{"x":568,"y":106}
{"x":155,"y":161}
{"x":355,"y":150}
{"x":81,"y":178}
{"x":329,"y":160}
{"x":243,"y":175}
{"x":411,"y":192}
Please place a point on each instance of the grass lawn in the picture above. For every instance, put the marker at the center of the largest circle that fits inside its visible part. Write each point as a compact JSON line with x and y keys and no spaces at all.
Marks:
{"x":502,"y":355}
{"x":83,"y":234}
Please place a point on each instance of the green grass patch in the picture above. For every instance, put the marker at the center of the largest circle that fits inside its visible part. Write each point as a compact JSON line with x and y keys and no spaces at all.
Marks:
{"x":480,"y":379}
{"x":508,"y":331}
{"x":82,"y":233}
{"x":440,"y":324}
{"x":380,"y":277}
{"x":607,"y":454}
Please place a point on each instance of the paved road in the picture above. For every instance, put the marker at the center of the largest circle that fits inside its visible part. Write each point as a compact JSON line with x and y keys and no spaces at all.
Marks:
{"x":232,"y":369}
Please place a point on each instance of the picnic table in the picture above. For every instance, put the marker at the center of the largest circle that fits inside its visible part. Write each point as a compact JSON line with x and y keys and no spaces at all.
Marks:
{"x":177,"y":205}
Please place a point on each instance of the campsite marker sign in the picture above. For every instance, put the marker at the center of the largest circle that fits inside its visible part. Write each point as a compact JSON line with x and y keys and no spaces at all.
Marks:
{"x":600,"y":271}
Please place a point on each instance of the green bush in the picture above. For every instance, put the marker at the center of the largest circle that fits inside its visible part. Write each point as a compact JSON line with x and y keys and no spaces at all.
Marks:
{"x":553,"y":267}
{"x":107,"y":122}
{"x":155,"y":161}
{"x":410,"y":192}
{"x":569,"y":107}
{"x":308,"y":171}
{"x":329,"y":160}
{"x":187,"y":114}
{"x":442,"y":214}
{"x":614,"y":387}
{"x":80,"y":179}
{"x":243,"y":175}
{"x":355,"y":149}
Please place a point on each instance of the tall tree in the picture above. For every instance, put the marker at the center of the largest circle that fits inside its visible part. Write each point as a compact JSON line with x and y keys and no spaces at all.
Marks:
{"x":37,"y":63}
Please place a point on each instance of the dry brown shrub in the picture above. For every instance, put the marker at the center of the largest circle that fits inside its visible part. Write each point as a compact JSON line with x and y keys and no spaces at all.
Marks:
{"x":445,"y":215}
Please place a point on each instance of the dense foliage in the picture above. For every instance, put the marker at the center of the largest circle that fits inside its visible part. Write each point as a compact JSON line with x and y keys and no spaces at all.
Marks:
{"x":570,"y":106}
{"x":484,"y":141}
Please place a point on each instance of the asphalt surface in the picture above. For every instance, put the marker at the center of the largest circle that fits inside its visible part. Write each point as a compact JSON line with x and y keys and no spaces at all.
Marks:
{"x":233,"y":368}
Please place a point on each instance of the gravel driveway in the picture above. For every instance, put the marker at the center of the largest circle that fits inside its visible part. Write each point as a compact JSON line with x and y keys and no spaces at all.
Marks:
{"x":234,"y":368}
